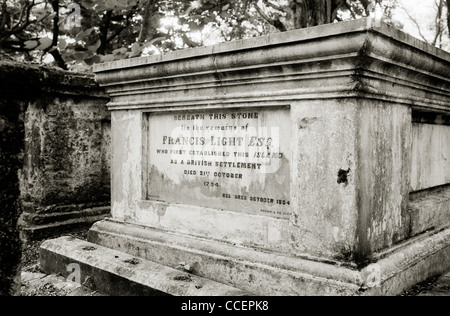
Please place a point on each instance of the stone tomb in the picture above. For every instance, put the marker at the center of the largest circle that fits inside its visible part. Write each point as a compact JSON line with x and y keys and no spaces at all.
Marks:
{"x":312,"y":162}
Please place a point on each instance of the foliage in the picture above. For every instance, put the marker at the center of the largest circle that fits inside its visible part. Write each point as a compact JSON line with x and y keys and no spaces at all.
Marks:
{"x":79,"y":33}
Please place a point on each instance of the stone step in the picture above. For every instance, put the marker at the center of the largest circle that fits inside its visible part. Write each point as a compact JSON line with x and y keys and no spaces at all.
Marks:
{"x":39,"y":284}
{"x":42,"y":231}
{"x":44,"y":218}
{"x":116,"y":273}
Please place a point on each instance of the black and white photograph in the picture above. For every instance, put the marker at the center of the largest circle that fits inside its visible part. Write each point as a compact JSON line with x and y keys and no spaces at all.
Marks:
{"x":224,"y":153}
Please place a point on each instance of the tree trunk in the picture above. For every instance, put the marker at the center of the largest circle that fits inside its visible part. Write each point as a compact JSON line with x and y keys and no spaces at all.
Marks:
{"x":448,"y":17}
{"x":314,"y":12}
{"x":438,"y":26}
{"x":58,"y":59}
{"x":104,"y":29}
{"x":54,"y":51}
{"x":148,"y":30}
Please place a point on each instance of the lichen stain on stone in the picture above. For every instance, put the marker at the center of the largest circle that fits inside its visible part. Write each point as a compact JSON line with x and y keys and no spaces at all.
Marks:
{"x":295,"y":220}
{"x":125,"y":272}
{"x":306,"y":121}
{"x":89,"y":248}
{"x":194,"y":192}
{"x":183,"y":278}
{"x":161,"y":209}
{"x":133,"y":261}
{"x":325,"y":65}
{"x":345,"y":253}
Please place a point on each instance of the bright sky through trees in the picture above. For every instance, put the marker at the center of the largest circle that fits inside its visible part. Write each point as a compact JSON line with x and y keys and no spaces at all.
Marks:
{"x":105,"y":30}
{"x":418,"y":18}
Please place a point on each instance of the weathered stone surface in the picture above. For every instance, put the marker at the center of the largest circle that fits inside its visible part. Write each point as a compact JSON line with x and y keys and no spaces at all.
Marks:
{"x":64,"y":173}
{"x":276,"y":273}
{"x":116,"y":273}
{"x":351,"y":133}
{"x":262,"y":273}
{"x":17,"y":78}
{"x":429,"y":210}
{"x":58,"y":226}
{"x":66,"y":149}
{"x":238,"y":160}
{"x":430,"y":156}
{"x":39,"y":284}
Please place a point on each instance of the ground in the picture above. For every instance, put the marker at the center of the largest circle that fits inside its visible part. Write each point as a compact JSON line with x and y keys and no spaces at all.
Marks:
{"x":35,"y":283}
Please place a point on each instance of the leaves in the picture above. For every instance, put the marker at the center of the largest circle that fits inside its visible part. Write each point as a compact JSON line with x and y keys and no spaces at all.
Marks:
{"x":84,"y":34}
{"x":62,"y":44}
{"x":95,"y":47}
{"x":117,"y":29}
{"x":44,"y":43}
{"x":107,"y":58}
{"x":225,"y":14}
{"x":41,"y":44}
{"x":96,"y":59}
{"x":80,"y":56}
{"x":30,"y":45}
{"x":136,"y":50}
{"x":107,"y":5}
{"x":120,"y":51}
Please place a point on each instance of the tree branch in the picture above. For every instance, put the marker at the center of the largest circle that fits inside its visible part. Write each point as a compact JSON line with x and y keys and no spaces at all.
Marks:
{"x":149,"y":10}
{"x":272,"y":5}
{"x":53,"y":49}
{"x":58,"y":59}
{"x":189,"y":42}
{"x":27,"y":11}
{"x":116,"y":33}
{"x":341,"y":4}
{"x":10,"y":44}
{"x":416,"y":24}
{"x":55,"y":6}
{"x":122,"y":28}
{"x":18,"y":28}
{"x":104,"y":28}
{"x":438,"y":20}
{"x":275,"y":22}
{"x":448,"y":17}
{"x":349,"y":8}
{"x":366,"y":4}
{"x":22,"y":11}
{"x":5,"y":15}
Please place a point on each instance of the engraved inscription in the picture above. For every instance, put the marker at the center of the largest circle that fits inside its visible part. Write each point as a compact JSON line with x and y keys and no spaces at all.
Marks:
{"x":231,"y":160}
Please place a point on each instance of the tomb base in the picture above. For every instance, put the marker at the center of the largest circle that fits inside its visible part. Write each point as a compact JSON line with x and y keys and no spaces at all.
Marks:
{"x":236,"y":267}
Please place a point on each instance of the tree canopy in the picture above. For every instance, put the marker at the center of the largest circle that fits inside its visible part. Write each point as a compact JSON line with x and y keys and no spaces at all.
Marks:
{"x":79,"y":33}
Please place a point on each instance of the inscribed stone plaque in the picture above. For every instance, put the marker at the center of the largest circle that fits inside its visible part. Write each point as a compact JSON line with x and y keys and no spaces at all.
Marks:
{"x":225,"y":159}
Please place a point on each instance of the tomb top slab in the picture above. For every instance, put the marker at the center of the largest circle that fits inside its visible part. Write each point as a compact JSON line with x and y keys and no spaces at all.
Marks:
{"x":284,"y":38}
{"x":350,"y":59}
